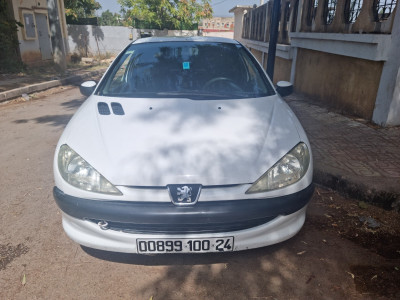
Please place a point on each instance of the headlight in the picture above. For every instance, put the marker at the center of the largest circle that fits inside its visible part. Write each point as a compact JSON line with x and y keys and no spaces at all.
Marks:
{"x":77,"y":172}
{"x":288,"y":170}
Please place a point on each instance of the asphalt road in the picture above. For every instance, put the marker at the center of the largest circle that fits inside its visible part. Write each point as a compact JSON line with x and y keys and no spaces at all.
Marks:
{"x":38,"y":261}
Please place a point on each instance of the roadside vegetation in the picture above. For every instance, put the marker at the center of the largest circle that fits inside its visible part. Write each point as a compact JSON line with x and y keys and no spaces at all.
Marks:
{"x":9,"y":59}
{"x":161,"y":14}
{"x":77,"y":9}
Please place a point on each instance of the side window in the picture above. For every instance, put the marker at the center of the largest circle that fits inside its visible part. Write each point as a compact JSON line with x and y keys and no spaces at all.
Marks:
{"x":118,"y":79}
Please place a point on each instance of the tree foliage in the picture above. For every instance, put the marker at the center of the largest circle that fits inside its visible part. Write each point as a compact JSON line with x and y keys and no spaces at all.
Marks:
{"x":170,"y":14}
{"x":9,"y":55}
{"x":108,"y":18}
{"x":75,"y":9}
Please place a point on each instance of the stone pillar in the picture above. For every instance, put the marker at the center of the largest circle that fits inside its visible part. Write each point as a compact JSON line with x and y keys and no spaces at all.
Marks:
{"x":239,"y":11}
{"x":387,"y":104}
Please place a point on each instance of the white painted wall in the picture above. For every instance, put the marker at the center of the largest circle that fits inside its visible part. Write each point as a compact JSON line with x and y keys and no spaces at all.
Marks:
{"x":99,"y":39}
{"x":110,"y":39}
{"x":223,"y":34}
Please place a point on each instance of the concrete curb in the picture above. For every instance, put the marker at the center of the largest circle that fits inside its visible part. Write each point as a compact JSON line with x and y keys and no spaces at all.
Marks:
{"x":4,"y":96}
{"x":387,"y":199}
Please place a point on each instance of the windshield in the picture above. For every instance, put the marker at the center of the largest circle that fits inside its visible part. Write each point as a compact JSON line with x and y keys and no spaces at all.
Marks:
{"x":196,"y":70}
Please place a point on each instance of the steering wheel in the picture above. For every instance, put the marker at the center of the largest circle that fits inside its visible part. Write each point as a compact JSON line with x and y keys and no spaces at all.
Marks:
{"x":229,"y":82}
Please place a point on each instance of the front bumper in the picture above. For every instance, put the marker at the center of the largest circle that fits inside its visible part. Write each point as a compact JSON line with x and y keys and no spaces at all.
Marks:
{"x":90,"y":235}
{"x":252,"y":222}
{"x":167,"y":218}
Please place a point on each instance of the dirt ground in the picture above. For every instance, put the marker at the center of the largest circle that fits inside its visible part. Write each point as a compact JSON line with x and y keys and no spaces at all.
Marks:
{"x":372,"y":228}
{"x":346,"y":249}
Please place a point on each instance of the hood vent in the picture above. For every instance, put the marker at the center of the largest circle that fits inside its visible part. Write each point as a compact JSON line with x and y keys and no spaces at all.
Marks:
{"x":103,"y":108}
{"x":117,"y":109}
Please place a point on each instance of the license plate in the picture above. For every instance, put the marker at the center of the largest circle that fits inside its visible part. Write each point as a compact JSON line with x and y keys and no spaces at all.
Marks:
{"x":185,"y":245}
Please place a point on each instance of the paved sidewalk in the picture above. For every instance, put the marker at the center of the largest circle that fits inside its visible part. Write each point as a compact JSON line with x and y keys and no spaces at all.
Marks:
{"x":351,"y":157}
{"x":12,"y":88}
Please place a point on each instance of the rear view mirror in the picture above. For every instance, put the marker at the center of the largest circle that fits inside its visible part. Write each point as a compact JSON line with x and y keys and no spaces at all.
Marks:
{"x":87,"y":87}
{"x":284,"y":88}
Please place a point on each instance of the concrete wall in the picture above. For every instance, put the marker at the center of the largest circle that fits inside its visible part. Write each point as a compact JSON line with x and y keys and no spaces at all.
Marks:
{"x":345,"y":83}
{"x":282,"y":69}
{"x":223,"y":34}
{"x":91,"y":40}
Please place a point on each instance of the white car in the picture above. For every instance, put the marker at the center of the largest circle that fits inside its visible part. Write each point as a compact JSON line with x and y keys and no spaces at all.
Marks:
{"x":183,"y":146}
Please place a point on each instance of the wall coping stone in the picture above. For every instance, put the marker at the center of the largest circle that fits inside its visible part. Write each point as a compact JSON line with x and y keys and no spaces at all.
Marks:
{"x":373,"y":47}
{"x":284,"y":51}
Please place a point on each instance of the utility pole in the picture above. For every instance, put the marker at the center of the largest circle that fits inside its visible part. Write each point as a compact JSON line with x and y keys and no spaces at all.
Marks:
{"x":273,"y":38}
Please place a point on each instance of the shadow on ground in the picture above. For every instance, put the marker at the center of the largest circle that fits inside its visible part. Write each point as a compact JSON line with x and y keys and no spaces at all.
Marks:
{"x":177,"y":259}
{"x":73,"y":104}
{"x":53,"y":120}
{"x":263,"y":273}
{"x":56,"y":120}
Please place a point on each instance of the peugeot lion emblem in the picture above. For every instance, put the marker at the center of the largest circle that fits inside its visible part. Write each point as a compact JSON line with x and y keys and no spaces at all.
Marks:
{"x":184,"y":194}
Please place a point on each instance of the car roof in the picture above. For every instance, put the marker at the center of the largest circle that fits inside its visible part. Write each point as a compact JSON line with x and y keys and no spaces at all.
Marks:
{"x":185,"y":39}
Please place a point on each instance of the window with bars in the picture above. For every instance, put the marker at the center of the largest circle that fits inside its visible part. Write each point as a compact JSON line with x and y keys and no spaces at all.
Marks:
{"x":383,"y":9}
{"x":351,"y":10}
{"x":329,"y":11}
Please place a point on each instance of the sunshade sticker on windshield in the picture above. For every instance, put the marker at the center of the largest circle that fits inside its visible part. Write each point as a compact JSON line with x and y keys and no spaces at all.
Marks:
{"x":186,"y":65}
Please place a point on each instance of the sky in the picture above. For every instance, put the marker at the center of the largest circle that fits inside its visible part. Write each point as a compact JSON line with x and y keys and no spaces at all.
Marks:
{"x":221,"y":7}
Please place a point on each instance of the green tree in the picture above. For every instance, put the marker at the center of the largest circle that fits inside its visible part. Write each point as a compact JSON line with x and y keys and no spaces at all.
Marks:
{"x":170,"y":14}
{"x":9,"y":54}
{"x":75,"y":9}
{"x":107,"y":18}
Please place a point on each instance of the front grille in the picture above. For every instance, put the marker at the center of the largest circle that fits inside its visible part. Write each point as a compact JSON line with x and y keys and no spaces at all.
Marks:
{"x":183,"y":228}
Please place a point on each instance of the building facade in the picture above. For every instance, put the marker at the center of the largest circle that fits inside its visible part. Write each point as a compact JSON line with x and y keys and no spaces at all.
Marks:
{"x":43,"y":37}
{"x":217,"y":24}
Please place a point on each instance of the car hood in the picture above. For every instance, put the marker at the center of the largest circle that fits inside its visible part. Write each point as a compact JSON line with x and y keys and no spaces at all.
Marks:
{"x":164,"y":141}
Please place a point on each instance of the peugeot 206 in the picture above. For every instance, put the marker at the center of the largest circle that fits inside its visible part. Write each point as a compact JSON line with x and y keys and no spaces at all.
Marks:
{"x":183,"y":146}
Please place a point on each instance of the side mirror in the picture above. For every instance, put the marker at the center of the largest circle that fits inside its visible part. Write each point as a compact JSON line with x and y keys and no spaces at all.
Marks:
{"x":87,"y":87}
{"x":284,"y":88}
